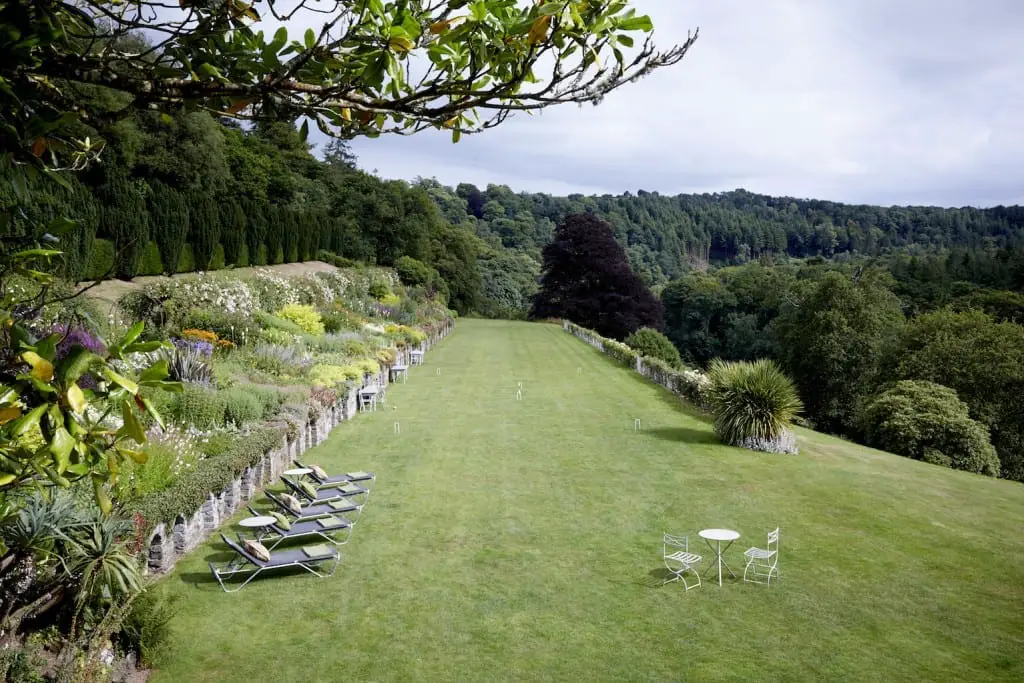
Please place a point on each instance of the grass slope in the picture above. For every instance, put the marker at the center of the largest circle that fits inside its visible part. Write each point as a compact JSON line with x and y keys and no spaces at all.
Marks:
{"x":521,"y":540}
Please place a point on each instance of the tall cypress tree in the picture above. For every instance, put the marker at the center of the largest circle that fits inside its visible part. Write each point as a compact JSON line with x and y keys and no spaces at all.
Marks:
{"x":170,"y":219}
{"x":124,"y":219}
{"x":204,"y":227}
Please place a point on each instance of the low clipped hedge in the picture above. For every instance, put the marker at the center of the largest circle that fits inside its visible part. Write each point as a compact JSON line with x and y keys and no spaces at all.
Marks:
{"x":189,"y":491}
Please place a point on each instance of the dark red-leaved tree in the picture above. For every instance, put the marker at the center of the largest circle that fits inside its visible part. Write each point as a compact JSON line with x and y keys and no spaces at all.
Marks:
{"x":587,"y":280}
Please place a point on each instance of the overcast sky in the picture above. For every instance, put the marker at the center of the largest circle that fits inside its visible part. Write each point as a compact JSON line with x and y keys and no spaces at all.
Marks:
{"x":878,"y":101}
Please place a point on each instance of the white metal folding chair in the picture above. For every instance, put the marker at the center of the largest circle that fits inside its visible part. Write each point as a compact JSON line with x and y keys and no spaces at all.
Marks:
{"x":763,"y":563}
{"x":675,"y":550}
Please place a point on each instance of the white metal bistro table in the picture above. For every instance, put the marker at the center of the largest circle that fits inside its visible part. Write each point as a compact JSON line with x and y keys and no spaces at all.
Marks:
{"x":298,"y":472}
{"x":399,"y":369}
{"x":718,"y":536}
{"x":416,"y":356}
{"x":368,"y":395}
{"x":261,"y":524}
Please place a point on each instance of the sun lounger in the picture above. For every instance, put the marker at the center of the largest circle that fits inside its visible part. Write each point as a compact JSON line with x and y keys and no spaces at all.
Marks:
{"x":244,"y":562}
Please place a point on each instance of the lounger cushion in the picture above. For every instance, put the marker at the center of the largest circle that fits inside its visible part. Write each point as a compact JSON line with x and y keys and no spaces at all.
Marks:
{"x":292,"y":502}
{"x":317,"y":550}
{"x":360,"y":475}
{"x":308,"y":489}
{"x":257,"y":549}
{"x":349,"y":487}
{"x":319,"y":472}
{"x":329,"y":521}
{"x":281,"y":521}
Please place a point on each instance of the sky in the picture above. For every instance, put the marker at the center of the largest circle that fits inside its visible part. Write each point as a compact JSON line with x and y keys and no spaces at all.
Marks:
{"x":867,"y":101}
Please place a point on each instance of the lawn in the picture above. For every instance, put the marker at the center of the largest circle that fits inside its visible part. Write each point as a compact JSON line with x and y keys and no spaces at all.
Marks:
{"x":521,"y":540}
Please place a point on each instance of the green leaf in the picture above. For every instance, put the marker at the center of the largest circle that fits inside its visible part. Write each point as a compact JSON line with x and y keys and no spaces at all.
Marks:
{"x":155,"y":372}
{"x":310,"y":38}
{"x":102,"y":499}
{"x":61,"y":225}
{"x":642,"y":23}
{"x":36,"y":253}
{"x":132,"y":334}
{"x":144,"y":347}
{"x":304,"y":130}
{"x":60,"y":447}
{"x":153,"y":412}
{"x":26,"y":423}
{"x":42,"y":369}
{"x":76,"y":399}
{"x":131,"y":428}
{"x":123,"y":382}
{"x":74,"y":365}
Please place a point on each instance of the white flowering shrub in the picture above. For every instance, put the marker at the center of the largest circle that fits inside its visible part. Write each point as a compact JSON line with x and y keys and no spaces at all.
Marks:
{"x":273,"y":290}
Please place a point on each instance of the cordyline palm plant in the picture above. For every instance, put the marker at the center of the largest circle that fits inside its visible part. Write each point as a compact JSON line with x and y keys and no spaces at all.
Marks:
{"x":751,"y":400}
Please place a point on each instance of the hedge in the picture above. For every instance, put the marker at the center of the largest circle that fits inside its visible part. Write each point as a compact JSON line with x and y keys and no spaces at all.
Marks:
{"x":101,"y":260}
{"x":187,"y":261}
{"x":188,"y":492}
{"x":151,"y":263}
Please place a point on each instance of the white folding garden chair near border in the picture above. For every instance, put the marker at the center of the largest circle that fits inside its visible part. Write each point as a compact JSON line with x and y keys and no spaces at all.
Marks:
{"x":675,"y":550}
{"x":763,"y":563}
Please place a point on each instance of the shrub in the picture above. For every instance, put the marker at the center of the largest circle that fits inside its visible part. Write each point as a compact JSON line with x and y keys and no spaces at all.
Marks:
{"x":243,"y":257}
{"x":268,"y":321}
{"x":413,"y":272}
{"x":340,"y":320}
{"x":277,"y":337}
{"x":328,"y":375}
{"x":278,"y":256}
{"x":235,"y":327}
{"x":187,"y":260}
{"x":335,"y":260}
{"x":101,"y":260}
{"x":368,"y":366}
{"x":147,"y":627}
{"x":927,"y":421}
{"x":752,"y":402}
{"x":650,"y":343}
{"x":200,"y":407}
{"x":619,"y":352}
{"x":241,"y":406}
{"x":261,"y":256}
{"x":151,"y":263}
{"x":170,"y":453}
{"x":378,"y":289}
{"x":283,"y":361}
{"x":304,"y":316}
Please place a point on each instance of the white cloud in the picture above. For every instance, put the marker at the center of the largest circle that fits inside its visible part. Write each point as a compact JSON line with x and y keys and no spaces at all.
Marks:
{"x":867,"y":101}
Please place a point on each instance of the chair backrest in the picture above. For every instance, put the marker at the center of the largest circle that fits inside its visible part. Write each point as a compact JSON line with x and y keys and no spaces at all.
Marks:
{"x":677,"y":542}
{"x":243,"y":552}
{"x":773,"y":540}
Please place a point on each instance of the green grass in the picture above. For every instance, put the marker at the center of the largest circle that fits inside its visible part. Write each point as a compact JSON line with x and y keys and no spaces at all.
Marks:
{"x":511,"y":540}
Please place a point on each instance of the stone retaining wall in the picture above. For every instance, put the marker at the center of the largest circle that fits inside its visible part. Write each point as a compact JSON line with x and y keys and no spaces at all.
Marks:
{"x":166,"y":545}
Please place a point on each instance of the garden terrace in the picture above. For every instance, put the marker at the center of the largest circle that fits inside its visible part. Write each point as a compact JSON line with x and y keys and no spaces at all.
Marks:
{"x":522,"y":540}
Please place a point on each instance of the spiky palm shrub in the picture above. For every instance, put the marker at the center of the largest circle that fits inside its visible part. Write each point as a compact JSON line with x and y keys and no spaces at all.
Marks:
{"x":753,"y":403}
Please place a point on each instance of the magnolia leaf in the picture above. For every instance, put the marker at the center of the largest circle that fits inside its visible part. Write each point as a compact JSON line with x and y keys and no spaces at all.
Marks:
{"x":643,"y":23}
{"x":138,"y":456}
{"x":238,"y":105}
{"x":36,"y":253}
{"x":131,"y":428}
{"x":42,"y":369}
{"x":60,"y":447}
{"x":401,"y":44}
{"x":9,"y":413}
{"x":153,"y":412}
{"x":439,"y":27}
{"x":144,"y":347}
{"x":539,"y":30}
{"x":154,"y":373}
{"x":102,"y":499}
{"x":76,"y":399}
{"x":28,"y":422}
{"x":39,"y":146}
{"x":74,"y":365}
{"x":6,"y":479}
{"x":123,"y":382}
{"x":132,"y":334}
